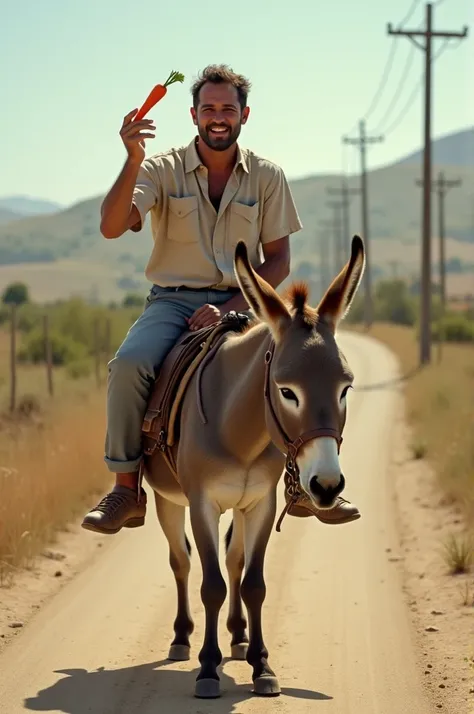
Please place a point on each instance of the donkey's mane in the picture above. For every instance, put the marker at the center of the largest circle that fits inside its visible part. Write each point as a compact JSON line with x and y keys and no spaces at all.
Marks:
{"x":296,"y":298}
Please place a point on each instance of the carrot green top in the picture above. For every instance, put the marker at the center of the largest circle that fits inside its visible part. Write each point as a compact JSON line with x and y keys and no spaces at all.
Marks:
{"x":174,"y":77}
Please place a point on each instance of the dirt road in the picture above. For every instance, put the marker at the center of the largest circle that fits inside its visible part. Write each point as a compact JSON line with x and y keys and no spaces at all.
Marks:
{"x":335,"y":621}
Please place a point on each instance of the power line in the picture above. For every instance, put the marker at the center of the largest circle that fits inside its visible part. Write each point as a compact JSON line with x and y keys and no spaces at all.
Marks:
{"x":398,"y":92}
{"x":409,"y":13}
{"x":383,"y":81}
{"x":388,"y":66}
{"x":401,"y":116}
{"x":425,"y":283}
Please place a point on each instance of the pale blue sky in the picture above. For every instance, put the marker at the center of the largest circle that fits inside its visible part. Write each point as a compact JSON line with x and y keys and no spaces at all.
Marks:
{"x":70,"y":71}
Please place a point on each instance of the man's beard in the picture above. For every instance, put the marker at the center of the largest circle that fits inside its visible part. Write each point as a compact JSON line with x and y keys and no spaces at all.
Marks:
{"x":218,"y":143}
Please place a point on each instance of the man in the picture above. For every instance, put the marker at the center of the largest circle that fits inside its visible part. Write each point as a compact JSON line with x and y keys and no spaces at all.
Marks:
{"x":202,"y":199}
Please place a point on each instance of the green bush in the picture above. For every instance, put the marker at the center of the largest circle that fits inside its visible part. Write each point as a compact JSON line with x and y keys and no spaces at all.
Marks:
{"x":133,"y":300}
{"x":392,"y":303}
{"x":29,"y":317}
{"x":79,"y":369}
{"x":454,"y":327}
{"x":4,"y":315}
{"x":64,"y":349}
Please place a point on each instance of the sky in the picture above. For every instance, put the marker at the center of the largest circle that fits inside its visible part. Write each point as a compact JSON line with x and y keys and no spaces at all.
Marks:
{"x":72,"y":70}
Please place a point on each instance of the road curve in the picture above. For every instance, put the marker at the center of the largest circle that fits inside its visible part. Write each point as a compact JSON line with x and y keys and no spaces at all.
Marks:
{"x":335,"y":621}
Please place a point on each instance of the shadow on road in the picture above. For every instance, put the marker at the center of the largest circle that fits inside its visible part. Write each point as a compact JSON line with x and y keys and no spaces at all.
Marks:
{"x":145,"y":688}
{"x":388,"y":383}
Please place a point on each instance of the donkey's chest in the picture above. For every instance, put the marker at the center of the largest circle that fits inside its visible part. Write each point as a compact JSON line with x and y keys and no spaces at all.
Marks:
{"x":237,"y":487}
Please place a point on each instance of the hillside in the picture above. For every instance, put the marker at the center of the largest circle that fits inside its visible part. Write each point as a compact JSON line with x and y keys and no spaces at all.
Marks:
{"x":28,"y":206}
{"x":456,"y":149}
{"x":84,"y":263}
{"x":7,"y":216}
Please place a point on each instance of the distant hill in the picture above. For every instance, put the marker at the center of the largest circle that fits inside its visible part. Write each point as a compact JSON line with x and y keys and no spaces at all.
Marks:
{"x":7,"y":216}
{"x":27,"y":206}
{"x":68,"y":244}
{"x":456,"y":149}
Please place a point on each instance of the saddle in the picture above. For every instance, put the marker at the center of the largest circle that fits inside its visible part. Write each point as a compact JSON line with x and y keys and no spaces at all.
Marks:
{"x":160,"y":428}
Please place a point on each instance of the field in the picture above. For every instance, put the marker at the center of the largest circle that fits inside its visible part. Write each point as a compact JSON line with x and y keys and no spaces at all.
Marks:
{"x":50,"y":455}
{"x":67,"y":278}
{"x":440,"y":409}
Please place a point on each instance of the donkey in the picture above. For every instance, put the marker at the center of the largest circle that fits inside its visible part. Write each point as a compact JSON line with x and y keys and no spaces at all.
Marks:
{"x":274,"y":398}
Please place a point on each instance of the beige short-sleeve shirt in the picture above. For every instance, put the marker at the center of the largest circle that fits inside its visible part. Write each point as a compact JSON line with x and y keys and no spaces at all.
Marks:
{"x":193,"y":244}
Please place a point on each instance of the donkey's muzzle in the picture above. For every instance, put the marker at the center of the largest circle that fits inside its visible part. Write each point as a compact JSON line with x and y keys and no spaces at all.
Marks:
{"x":326,"y":495}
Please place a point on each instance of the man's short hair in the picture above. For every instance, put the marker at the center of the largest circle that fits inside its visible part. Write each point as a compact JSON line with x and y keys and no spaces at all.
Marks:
{"x":220,"y":74}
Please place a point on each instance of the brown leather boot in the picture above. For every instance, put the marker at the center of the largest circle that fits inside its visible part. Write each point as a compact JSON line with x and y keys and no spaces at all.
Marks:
{"x":119,"y":509}
{"x":342,"y":512}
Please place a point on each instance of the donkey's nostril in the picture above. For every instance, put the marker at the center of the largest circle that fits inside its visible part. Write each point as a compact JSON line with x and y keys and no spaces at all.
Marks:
{"x":326,"y":494}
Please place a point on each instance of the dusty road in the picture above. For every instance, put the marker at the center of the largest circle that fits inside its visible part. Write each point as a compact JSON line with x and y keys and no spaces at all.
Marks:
{"x":335,"y":622}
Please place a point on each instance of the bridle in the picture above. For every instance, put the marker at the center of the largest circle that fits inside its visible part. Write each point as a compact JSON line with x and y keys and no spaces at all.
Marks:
{"x":292,"y":471}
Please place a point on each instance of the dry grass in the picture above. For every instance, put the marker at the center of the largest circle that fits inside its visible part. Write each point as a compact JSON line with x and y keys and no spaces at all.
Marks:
{"x":51,"y":464}
{"x":440,"y":409}
{"x":50,"y":458}
{"x":458,"y":551}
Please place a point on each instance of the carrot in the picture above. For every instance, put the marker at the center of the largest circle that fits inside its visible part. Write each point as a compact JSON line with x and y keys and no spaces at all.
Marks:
{"x":157,"y":93}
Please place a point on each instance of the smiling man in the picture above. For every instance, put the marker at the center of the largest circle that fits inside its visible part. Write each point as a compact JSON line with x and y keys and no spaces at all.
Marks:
{"x":202,"y":199}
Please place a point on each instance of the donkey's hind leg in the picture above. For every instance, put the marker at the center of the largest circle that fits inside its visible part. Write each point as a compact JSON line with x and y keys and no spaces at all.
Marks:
{"x":171,"y":518}
{"x":235,"y":558}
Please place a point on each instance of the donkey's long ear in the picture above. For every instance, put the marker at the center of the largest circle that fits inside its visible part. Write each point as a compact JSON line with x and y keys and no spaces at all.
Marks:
{"x":262,"y":298}
{"x":337,"y":301}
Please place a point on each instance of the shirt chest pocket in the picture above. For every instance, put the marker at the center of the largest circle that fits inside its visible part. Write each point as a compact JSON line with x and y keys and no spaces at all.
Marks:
{"x":183,"y":219}
{"x":244,"y":223}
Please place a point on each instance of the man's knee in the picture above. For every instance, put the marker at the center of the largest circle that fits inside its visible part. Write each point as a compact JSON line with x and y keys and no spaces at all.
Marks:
{"x":131,"y":363}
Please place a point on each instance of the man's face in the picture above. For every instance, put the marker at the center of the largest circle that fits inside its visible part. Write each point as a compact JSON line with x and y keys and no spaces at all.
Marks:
{"x":219,"y":117}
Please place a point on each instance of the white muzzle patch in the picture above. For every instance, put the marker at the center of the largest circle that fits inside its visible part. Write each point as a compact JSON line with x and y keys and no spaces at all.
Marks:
{"x":319,"y":459}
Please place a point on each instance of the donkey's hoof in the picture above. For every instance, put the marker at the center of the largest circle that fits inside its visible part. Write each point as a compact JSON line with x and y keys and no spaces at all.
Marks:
{"x":179,"y":653}
{"x":207,"y":689}
{"x":239,"y":651}
{"x":266,"y":686}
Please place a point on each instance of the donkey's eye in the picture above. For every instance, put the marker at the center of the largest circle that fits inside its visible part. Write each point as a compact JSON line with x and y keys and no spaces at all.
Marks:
{"x":345,"y":390}
{"x":288,"y":394}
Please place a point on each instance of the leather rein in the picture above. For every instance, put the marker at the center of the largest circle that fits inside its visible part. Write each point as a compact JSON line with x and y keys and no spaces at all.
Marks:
{"x":292,"y":472}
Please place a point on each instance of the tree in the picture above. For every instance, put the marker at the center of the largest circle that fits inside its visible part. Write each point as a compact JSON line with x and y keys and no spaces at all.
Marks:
{"x":16,"y":294}
{"x":133,"y":300}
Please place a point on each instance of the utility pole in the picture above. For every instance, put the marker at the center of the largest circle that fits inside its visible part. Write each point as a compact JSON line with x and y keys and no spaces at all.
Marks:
{"x":338,"y":235}
{"x":362,"y":141}
{"x":324,"y":272}
{"x":327,"y":227}
{"x":425,"y":318}
{"x":346,"y":193}
{"x":441,"y":186}
{"x":394,"y":268}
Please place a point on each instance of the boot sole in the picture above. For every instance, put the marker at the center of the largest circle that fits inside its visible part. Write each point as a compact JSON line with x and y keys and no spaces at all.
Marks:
{"x":131,"y":523}
{"x":303,"y":512}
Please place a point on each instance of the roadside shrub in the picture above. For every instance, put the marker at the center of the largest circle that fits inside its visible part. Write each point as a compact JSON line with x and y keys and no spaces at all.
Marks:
{"x":64,"y":349}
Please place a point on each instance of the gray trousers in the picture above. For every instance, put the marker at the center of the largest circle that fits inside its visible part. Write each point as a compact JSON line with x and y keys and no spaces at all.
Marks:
{"x":137,"y":362}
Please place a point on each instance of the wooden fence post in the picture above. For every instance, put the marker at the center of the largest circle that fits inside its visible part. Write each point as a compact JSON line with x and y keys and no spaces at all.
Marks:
{"x":108,"y":339}
{"x":48,"y":355}
{"x":97,"y":350}
{"x":13,"y":358}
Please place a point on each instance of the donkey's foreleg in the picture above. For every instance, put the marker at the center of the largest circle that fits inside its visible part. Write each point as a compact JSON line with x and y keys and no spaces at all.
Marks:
{"x":258,"y":526}
{"x":205,"y":523}
{"x":236,"y":622}
{"x":171,"y":518}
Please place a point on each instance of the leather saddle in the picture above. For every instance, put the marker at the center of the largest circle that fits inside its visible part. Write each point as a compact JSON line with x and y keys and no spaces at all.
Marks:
{"x":160,"y":428}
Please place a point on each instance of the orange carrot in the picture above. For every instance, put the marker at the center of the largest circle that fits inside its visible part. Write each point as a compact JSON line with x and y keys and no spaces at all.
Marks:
{"x":157,"y":93}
